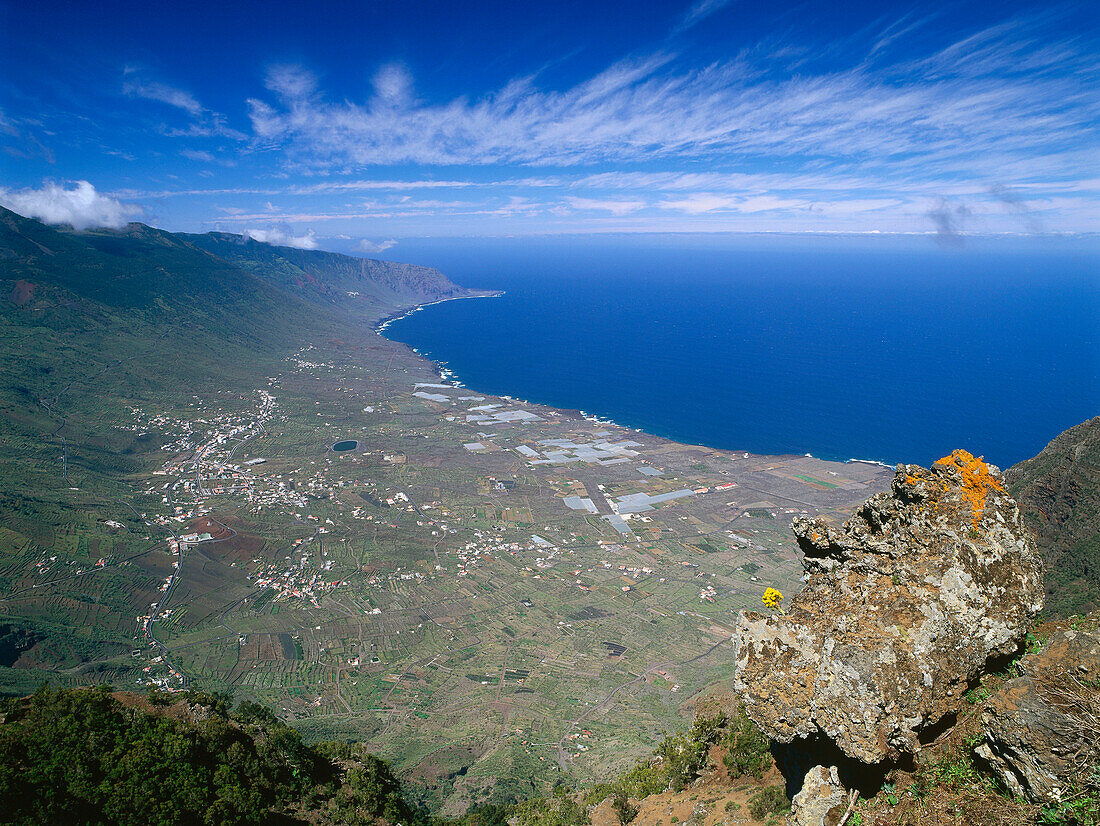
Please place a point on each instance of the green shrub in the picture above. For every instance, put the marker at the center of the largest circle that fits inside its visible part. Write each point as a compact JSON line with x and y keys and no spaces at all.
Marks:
{"x":561,"y":809}
{"x":626,"y":813}
{"x":485,"y":814}
{"x":771,"y":800}
{"x":748,"y":752}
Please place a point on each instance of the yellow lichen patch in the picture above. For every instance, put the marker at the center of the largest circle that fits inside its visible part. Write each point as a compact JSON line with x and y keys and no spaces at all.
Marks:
{"x":976,"y":477}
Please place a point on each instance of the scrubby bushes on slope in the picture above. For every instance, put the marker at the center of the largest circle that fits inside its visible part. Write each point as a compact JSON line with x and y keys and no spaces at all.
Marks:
{"x":677,"y":762}
{"x":83,"y":757}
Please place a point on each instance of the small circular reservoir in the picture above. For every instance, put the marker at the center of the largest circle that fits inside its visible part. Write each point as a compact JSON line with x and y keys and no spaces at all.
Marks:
{"x":349,"y":444}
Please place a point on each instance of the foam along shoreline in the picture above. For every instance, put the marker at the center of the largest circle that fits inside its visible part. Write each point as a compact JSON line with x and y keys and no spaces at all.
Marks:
{"x":451,"y":379}
{"x":390,"y":319}
{"x":869,"y":462}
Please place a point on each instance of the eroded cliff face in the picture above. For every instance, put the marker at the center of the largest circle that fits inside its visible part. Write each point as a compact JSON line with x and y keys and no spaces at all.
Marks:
{"x":903,"y":607}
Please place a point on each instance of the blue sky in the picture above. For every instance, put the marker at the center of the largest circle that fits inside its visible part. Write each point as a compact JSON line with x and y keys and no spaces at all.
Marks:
{"x":354,"y":126}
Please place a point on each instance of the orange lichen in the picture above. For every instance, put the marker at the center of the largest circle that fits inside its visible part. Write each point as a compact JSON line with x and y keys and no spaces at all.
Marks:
{"x":976,"y":478}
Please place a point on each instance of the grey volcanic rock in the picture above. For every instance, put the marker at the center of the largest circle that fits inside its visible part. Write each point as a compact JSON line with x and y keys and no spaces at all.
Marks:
{"x":902,"y":607}
{"x":1040,"y":729}
{"x":822,"y":801}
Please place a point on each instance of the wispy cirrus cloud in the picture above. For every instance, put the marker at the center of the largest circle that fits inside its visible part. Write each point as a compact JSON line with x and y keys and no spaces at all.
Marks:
{"x":163,"y":93}
{"x":614,"y":206}
{"x":207,"y":157}
{"x":964,"y":105}
{"x":328,"y":187}
{"x":6,"y":125}
{"x":990,"y":132}
{"x":198,"y":155}
{"x":699,"y":12}
{"x":205,"y":123}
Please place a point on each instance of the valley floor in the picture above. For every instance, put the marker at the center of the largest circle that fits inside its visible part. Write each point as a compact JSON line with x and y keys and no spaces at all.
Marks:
{"x":493,"y":595}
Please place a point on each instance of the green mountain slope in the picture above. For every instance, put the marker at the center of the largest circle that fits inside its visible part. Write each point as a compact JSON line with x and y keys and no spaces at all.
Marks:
{"x":361,"y":286}
{"x":92,"y":326}
{"x":1059,"y":493}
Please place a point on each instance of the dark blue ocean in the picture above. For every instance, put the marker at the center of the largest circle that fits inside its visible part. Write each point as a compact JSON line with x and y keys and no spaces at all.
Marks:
{"x":892,"y":349}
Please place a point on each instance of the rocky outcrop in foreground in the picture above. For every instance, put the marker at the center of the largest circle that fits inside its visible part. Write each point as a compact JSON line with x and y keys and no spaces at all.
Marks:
{"x":1041,"y":730}
{"x":903,"y":607}
{"x":822,"y":799}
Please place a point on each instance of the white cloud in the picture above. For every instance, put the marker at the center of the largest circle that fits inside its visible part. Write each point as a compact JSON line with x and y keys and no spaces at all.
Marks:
{"x":212,"y":125}
{"x":368,"y":185}
{"x":80,"y":206}
{"x":697,"y":203}
{"x":6,"y":126}
{"x":615,"y":207}
{"x":376,"y":246}
{"x":961,"y":111}
{"x":698,"y":12}
{"x":206,"y":123}
{"x":200,"y":155}
{"x":393,"y":84}
{"x":283,"y":237}
{"x":164,"y":94}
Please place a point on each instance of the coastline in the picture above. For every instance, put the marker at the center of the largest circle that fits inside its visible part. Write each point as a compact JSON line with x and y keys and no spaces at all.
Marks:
{"x":616,"y":530}
{"x":445,"y":374}
{"x":386,"y":321}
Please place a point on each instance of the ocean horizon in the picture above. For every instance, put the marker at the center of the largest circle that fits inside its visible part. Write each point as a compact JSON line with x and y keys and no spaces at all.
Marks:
{"x":881,"y":349}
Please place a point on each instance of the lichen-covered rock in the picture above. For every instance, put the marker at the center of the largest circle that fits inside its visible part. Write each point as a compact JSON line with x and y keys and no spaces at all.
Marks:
{"x":822,"y":801}
{"x":902,"y":607}
{"x":1040,"y":729}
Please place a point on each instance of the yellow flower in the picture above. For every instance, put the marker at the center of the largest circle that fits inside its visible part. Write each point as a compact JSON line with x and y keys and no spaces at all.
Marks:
{"x":772,"y":598}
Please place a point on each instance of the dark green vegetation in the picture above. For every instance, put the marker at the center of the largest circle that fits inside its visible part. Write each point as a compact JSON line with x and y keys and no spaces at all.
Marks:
{"x":1059,"y":494}
{"x":97,"y":757}
{"x":771,"y":800}
{"x":82,"y":756}
{"x":560,"y":809}
{"x":747,"y":749}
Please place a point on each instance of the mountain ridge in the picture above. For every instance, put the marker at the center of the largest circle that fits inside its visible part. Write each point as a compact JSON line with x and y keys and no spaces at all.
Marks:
{"x":1058,"y":495}
{"x":334,"y":278}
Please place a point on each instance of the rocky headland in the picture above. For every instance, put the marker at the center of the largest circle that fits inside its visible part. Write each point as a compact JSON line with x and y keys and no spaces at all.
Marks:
{"x":929,"y":588}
